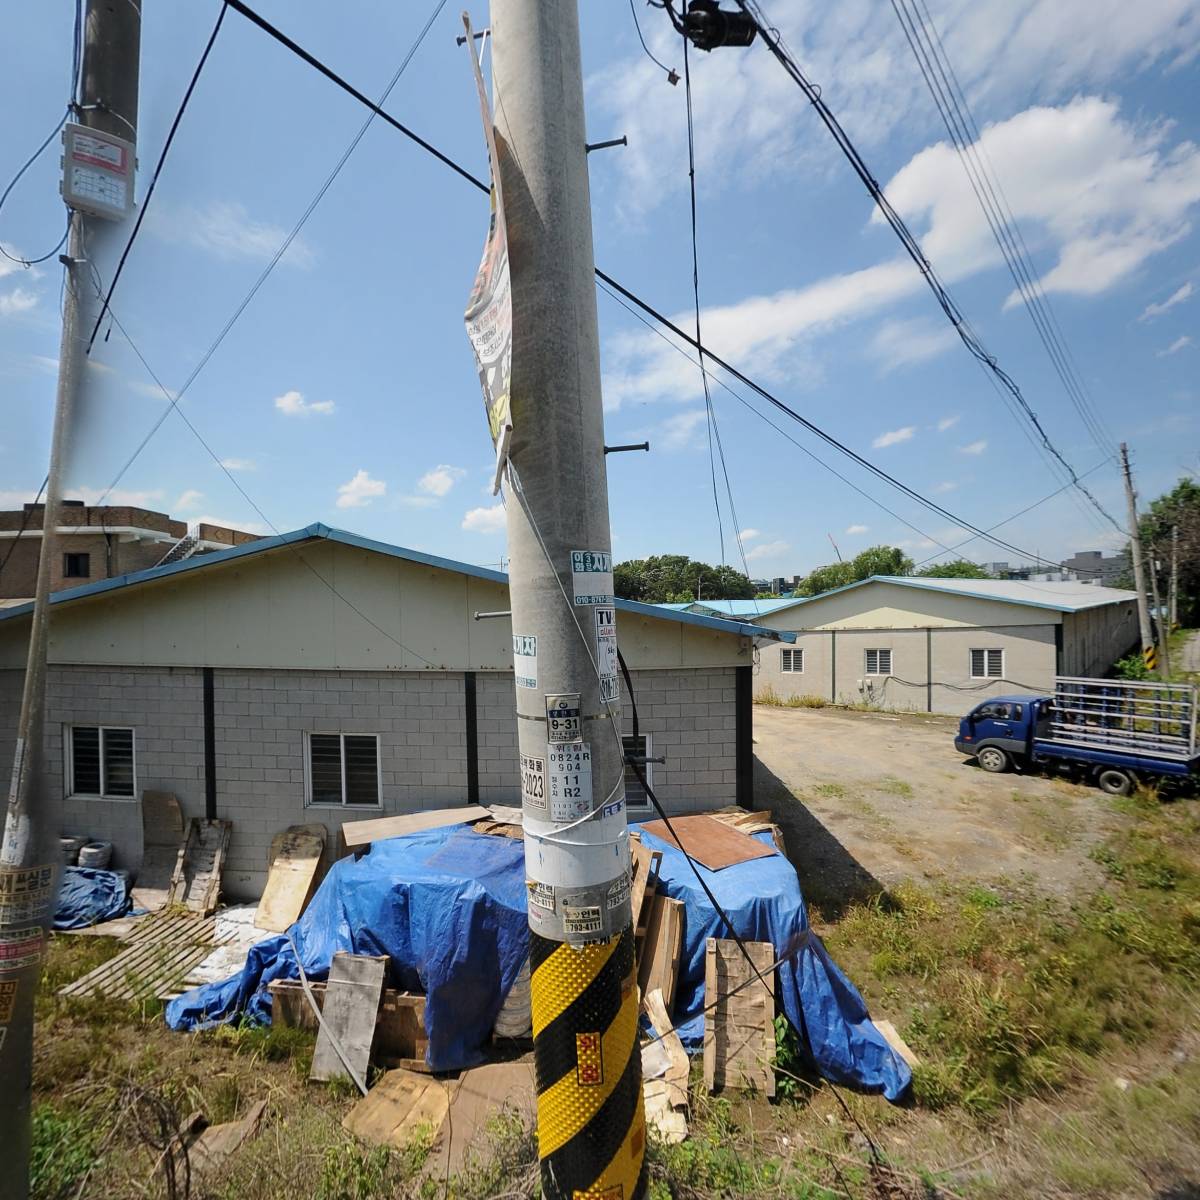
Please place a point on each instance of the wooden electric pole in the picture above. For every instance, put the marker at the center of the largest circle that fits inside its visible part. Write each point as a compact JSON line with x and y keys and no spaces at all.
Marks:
{"x":1149,"y":652}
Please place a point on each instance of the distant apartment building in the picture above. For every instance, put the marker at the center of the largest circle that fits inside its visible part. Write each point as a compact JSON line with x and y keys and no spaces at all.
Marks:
{"x":100,"y":542}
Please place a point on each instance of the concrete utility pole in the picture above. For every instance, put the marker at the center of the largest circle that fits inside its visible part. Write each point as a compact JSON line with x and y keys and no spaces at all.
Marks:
{"x":29,"y":857}
{"x":1149,"y":653}
{"x":1173,"y":602}
{"x":591,"y":1126}
{"x":1160,"y":623}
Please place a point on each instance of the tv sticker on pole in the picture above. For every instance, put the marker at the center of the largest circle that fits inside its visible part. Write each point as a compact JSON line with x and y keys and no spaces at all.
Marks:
{"x":592,"y":577}
{"x":564,"y":722}
{"x":606,"y":653}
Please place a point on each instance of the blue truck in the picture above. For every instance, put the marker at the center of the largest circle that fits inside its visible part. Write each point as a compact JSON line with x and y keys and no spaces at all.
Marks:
{"x":1113,"y":732}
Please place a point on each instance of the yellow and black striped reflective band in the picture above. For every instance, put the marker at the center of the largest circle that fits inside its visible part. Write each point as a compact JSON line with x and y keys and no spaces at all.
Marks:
{"x":591,"y":1124}
{"x":1150,"y":657}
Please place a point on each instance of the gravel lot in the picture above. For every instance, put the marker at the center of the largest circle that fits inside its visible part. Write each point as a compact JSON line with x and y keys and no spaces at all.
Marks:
{"x":866,"y":800}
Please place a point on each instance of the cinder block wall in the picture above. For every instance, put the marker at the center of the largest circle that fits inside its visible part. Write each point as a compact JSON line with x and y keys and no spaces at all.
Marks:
{"x":261,"y":717}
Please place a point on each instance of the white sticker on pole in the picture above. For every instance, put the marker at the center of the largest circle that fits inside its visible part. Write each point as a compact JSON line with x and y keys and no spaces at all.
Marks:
{"x":569,"y":781}
{"x":533,"y":780}
{"x":564,"y":721}
{"x":525,"y":659}
{"x":586,"y":918}
{"x":606,"y":654}
{"x":592,"y":576}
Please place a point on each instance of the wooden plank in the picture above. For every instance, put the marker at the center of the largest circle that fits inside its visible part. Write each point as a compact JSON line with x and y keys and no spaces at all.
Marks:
{"x":399,"y":1106}
{"x":479,"y":1095}
{"x":361,"y":833}
{"x":218,"y":1142}
{"x":292,"y":870}
{"x":739,"y":1031}
{"x":897,"y":1043}
{"x":162,"y":831}
{"x":645,"y":866}
{"x":351,"y":1008}
{"x":196,"y":880}
{"x":678,"y":1067}
{"x":658,"y":969}
{"x":709,"y":842}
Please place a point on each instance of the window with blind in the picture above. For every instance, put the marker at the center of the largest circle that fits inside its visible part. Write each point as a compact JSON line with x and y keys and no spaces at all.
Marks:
{"x":878,"y":662}
{"x":791,"y":662}
{"x":987,"y":664}
{"x":635,"y":793}
{"x":101,"y":762}
{"x":343,"y":769}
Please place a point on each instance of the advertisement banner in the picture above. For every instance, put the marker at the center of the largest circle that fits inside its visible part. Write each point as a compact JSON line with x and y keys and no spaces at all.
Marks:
{"x":489,"y":309}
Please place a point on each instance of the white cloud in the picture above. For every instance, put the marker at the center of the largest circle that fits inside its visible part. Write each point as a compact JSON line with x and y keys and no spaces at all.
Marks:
{"x":14,"y":499}
{"x":360,"y":490}
{"x":19,"y":300}
{"x":856,"y":529}
{"x":748,"y":535}
{"x":681,"y":431}
{"x":902,"y":343}
{"x":188,"y":500}
{"x":894,"y":437}
{"x":293,"y":404}
{"x":1178,"y":344}
{"x":226,"y":230}
{"x":8,"y":267}
{"x":239,"y":464}
{"x":1176,"y":297}
{"x":766,"y":550}
{"x":756,"y":122}
{"x":440,"y":480}
{"x":485,"y":520}
{"x":945,"y":486}
{"x":148,"y":498}
{"x":948,"y":423}
{"x":975,"y":448}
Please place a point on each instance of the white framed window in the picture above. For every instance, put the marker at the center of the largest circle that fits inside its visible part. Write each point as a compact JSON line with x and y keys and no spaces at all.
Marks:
{"x":639,"y":747}
{"x":342,"y":770}
{"x":987,"y":664}
{"x":101,"y":761}
{"x":878,"y":661}
{"x":791,"y":662}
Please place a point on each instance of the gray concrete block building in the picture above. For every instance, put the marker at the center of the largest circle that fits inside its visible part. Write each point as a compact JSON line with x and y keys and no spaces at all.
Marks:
{"x":936,"y":645}
{"x":320,"y":676}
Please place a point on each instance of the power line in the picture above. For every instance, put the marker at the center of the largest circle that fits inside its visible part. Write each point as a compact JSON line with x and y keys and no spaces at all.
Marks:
{"x":672,"y":78}
{"x":948,"y":95}
{"x":241,"y":7}
{"x":162,"y":158}
{"x":969,"y":338}
{"x":24,"y":524}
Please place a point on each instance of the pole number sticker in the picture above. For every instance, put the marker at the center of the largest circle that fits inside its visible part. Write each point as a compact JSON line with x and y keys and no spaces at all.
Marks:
{"x":585,"y":919}
{"x":570,"y":781}
{"x":592,"y":576}
{"x":533,"y":780}
{"x":606,"y":654}
{"x":525,"y":659}
{"x":563,"y":720}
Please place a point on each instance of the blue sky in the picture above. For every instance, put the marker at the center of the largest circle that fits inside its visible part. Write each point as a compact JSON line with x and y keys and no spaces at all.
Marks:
{"x":346,"y":392}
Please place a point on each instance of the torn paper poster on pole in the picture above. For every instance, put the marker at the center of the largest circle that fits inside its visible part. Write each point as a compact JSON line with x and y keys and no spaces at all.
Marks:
{"x":489,"y":309}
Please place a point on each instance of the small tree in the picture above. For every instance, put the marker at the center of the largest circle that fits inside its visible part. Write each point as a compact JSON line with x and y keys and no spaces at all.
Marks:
{"x":959,"y":568}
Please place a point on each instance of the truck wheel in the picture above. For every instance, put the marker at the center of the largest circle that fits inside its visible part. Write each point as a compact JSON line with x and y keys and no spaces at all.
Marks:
{"x":1114,"y":782}
{"x":992,"y":758}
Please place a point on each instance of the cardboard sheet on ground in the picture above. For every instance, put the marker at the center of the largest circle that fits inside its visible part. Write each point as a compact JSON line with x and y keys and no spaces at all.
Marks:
{"x":763,"y":900}
{"x":448,"y":908}
{"x":710,"y":842}
{"x":363,"y":833}
{"x":292,"y":867}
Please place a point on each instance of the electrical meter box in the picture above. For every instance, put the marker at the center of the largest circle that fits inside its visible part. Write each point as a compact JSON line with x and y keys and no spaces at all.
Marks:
{"x":97,"y":172}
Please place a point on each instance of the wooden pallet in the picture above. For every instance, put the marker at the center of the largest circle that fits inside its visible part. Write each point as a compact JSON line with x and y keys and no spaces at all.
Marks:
{"x":196,"y":881}
{"x":739,"y":1032}
{"x":159,"y":953}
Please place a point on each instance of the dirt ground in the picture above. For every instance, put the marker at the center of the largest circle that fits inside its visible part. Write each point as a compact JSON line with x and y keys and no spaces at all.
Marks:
{"x":869,"y":799}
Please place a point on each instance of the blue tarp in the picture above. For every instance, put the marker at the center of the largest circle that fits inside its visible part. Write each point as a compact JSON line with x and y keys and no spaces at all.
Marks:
{"x":763,"y":901}
{"x":448,"y":907}
{"x":87,"y":897}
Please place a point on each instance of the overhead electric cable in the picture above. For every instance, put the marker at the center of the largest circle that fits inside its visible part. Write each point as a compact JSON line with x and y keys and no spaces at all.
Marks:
{"x":671,"y":76}
{"x":24,"y":524}
{"x":162,"y":158}
{"x":912,"y":247}
{"x":948,"y":96}
{"x":241,"y":7}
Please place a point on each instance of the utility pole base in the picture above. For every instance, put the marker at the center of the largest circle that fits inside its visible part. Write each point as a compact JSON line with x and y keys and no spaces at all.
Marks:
{"x":591,"y":1119}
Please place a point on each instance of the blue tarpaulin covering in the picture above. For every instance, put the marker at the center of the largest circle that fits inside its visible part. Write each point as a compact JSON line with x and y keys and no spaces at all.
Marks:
{"x":87,"y":897}
{"x":763,"y":901}
{"x":448,"y":907}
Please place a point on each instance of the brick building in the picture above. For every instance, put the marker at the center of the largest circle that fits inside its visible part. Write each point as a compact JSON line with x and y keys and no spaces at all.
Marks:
{"x":320,"y":676}
{"x":100,"y":542}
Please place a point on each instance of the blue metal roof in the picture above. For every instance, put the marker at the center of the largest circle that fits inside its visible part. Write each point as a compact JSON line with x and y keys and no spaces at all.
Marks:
{"x":343,"y":537}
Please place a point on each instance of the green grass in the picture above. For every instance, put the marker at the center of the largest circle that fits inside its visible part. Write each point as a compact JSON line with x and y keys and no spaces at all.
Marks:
{"x":773,"y":699}
{"x":64,"y":1149}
